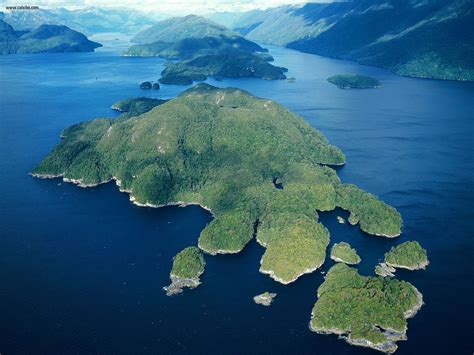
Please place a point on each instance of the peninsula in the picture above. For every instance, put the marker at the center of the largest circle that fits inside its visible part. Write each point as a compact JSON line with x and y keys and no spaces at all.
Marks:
{"x":365,"y":311}
{"x":45,"y":39}
{"x":136,"y":106}
{"x":203,"y":49}
{"x":223,"y":149}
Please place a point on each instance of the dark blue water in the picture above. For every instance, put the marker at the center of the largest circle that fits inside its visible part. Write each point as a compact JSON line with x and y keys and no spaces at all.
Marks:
{"x":82,"y":270}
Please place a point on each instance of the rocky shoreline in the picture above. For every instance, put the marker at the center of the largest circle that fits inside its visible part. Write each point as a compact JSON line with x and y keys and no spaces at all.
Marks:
{"x":218,"y":251}
{"x":383,"y":235}
{"x":265,"y":299}
{"x":178,"y":284}
{"x":388,"y":346}
{"x":384,"y":270}
{"x":354,"y":220}
{"x":177,"y":203}
{"x":414,"y":310}
{"x":387,"y":269}
{"x":80,"y":183}
{"x":339,"y":260}
{"x":271,"y":273}
{"x":419,"y":266}
{"x":46,"y":176}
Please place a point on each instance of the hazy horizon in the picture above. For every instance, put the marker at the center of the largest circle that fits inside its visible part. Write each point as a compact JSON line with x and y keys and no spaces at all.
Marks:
{"x":170,"y":7}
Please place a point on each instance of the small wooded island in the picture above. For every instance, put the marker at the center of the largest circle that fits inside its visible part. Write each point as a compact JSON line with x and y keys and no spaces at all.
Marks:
{"x":366,"y":311}
{"x":204,"y":48}
{"x":408,"y":255}
{"x":354,"y":81}
{"x":344,"y":253}
{"x":188,"y":265}
{"x":45,"y":39}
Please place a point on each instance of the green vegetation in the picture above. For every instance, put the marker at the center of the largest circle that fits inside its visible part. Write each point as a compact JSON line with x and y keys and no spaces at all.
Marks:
{"x":343,"y":252}
{"x":188,"y":263}
{"x":294,"y":250}
{"x":46,"y":38}
{"x":375,"y":217}
{"x":408,"y":255}
{"x":191,"y":47}
{"x":136,"y":106}
{"x":354,"y":81}
{"x":229,"y":64}
{"x":353,"y":219}
{"x":227,"y":234}
{"x":372,"y":311}
{"x":204,"y":49}
{"x":223,"y":149}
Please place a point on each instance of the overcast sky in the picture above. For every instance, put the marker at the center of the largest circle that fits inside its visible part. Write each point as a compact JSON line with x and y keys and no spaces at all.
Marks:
{"x":166,"y":6}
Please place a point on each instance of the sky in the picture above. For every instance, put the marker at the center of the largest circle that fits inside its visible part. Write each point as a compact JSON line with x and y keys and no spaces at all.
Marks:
{"x":163,"y":6}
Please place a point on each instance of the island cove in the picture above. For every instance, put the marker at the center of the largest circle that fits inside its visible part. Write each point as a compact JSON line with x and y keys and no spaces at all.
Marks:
{"x":222,"y":148}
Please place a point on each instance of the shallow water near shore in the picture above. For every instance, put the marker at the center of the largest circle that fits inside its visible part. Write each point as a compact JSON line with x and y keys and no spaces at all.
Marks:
{"x":83,"y":269}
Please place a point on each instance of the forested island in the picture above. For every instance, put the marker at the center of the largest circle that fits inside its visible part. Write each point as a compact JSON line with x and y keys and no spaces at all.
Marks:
{"x":222,"y":149}
{"x":365,"y":311}
{"x":354,"y":81}
{"x":344,"y":253}
{"x":188,"y":265}
{"x":45,"y":39}
{"x":204,"y":49}
{"x":408,"y":255}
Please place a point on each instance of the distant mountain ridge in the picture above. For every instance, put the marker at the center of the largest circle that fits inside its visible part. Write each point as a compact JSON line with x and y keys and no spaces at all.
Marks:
{"x":179,"y":28}
{"x":87,"y":20}
{"x":204,"y":49}
{"x":418,"y":38}
{"x":46,"y":38}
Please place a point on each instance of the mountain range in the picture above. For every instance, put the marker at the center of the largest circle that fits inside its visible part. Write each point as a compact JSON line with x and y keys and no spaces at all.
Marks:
{"x":204,"y":49}
{"x":89,"y":20}
{"x":418,"y":38}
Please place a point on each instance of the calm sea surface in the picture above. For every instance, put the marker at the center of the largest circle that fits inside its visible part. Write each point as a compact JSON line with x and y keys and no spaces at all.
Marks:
{"x":82,"y":270}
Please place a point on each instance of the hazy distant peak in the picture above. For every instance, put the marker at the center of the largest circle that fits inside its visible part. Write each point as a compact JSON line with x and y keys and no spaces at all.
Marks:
{"x":179,"y":28}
